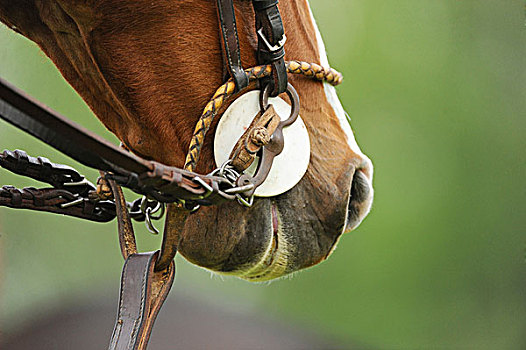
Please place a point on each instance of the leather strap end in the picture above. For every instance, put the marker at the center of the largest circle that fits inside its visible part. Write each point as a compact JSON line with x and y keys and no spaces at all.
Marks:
{"x":142,"y":294}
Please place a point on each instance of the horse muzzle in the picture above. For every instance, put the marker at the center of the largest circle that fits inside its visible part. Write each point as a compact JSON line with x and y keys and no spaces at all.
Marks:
{"x":282,"y":234}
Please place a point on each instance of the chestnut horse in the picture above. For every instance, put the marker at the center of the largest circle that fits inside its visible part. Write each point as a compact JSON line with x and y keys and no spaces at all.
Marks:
{"x":147,"y":69}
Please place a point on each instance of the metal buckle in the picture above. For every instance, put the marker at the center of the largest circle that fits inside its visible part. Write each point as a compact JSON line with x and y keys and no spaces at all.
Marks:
{"x":270,"y":47}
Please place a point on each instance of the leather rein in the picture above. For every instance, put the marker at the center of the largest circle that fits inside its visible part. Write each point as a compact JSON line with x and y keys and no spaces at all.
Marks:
{"x":147,"y":277}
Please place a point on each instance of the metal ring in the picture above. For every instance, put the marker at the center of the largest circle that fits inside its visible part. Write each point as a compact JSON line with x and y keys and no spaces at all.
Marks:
{"x":294,"y":100}
{"x":160,"y":207}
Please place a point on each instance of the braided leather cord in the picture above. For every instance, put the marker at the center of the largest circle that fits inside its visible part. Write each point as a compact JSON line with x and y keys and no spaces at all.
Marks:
{"x":51,"y":200}
{"x":227,"y":90}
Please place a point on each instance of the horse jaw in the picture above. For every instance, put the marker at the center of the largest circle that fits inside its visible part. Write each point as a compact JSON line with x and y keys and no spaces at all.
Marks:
{"x":118,"y":55}
{"x":301,"y":227}
{"x":278,"y":235}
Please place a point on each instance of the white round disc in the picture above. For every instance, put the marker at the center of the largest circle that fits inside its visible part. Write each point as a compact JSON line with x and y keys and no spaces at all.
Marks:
{"x":289,"y":166}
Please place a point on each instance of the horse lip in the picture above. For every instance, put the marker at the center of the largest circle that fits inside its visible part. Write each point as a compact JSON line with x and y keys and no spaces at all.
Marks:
{"x":282,"y":247}
{"x":275,"y":222}
{"x":268,"y":264}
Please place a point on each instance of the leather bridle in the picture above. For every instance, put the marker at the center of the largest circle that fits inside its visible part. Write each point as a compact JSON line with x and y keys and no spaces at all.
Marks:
{"x":271,"y":41}
{"x":147,"y":277}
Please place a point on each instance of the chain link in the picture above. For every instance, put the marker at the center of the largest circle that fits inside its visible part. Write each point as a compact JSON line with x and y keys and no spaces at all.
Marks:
{"x":78,"y":193}
{"x":227,"y":172}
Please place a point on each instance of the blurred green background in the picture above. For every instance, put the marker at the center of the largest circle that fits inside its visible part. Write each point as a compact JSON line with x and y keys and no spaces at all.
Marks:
{"x":437,"y":95}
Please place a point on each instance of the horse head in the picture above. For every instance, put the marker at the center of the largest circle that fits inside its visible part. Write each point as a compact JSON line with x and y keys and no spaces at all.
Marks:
{"x":147,"y":69}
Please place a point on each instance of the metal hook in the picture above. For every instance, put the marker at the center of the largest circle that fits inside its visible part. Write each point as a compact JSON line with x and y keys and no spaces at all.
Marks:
{"x":149,"y":211}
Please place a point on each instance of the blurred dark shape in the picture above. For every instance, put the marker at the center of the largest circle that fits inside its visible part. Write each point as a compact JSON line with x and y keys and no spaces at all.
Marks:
{"x":183,"y":323}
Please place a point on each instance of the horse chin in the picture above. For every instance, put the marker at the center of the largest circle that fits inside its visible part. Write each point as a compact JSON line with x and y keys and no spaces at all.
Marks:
{"x":278,"y":235}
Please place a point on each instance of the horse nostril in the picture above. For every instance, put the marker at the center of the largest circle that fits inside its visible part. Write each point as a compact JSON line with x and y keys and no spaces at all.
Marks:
{"x":360,"y":189}
{"x":360,"y":199}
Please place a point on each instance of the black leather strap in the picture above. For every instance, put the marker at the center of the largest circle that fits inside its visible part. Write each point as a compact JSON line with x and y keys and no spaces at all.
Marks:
{"x":163,"y":183}
{"x":57,"y":131}
{"x":47,"y":125}
{"x":227,"y":21}
{"x":271,"y":37}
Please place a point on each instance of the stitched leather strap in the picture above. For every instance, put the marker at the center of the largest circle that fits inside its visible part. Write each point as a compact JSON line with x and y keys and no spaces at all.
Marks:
{"x":227,"y":21}
{"x":142,"y":294}
{"x":143,"y":290}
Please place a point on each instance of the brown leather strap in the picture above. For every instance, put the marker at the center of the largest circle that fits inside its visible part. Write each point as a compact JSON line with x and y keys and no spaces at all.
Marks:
{"x":40,"y":169}
{"x":56,"y":201}
{"x":143,"y":292}
{"x":227,"y":21}
{"x":256,"y":136}
{"x":173,"y":227}
{"x":126,"y":235}
{"x":70,"y":194}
